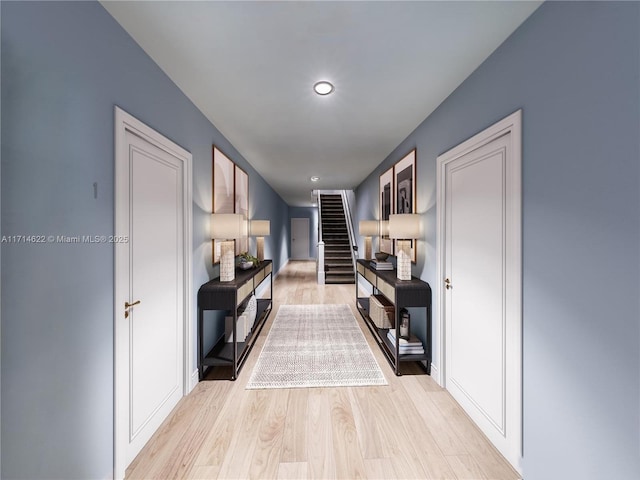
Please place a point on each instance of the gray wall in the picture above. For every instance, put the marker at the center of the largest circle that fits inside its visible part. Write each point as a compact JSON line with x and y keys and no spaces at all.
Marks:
{"x":312,"y":214}
{"x":64,"y":67}
{"x":574,"y":70}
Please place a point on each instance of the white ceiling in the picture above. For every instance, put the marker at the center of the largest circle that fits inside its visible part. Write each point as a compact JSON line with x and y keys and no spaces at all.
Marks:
{"x":250,"y":68}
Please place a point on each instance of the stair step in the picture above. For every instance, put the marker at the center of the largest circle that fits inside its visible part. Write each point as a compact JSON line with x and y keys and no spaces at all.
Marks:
{"x":339,"y":269}
{"x":337,"y":280}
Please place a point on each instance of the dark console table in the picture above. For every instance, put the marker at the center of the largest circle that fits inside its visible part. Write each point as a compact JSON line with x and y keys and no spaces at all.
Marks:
{"x":402,"y":293}
{"x":228,"y":296}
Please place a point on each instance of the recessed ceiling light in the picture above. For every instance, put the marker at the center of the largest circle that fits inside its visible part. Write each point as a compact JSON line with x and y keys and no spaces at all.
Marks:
{"x":323,"y":88}
{"x":314,"y":178}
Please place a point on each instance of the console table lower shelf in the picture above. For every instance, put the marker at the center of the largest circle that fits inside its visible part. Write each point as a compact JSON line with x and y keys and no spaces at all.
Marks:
{"x":222,"y":353}
{"x":228,"y":297}
{"x":413,"y":293}
{"x":388,"y":348}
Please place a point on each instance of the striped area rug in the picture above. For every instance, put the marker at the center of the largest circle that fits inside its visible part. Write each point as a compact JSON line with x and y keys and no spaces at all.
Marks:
{"x":315,"y":346}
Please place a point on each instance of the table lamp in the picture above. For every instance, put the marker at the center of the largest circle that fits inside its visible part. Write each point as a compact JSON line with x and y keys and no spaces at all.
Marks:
{"x":404,"y":227}
{"x":367,"y":229}
{"x":227,"y":227}
{"x":260,"y":229}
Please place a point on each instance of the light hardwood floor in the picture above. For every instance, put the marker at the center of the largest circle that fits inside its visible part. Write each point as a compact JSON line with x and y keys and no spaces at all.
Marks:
{"x":411,"y":428}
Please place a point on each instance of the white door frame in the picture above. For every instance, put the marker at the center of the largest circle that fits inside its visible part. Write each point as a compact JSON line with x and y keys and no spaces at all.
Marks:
{"x":510,"y":125}
{"x":127,"y":123}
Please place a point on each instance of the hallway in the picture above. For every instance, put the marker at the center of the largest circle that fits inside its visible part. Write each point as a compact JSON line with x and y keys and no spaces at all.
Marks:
{"x":408,"y":429}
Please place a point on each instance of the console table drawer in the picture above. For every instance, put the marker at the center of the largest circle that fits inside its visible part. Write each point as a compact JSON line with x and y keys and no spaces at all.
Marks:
{"x":243,"y":291}
{"x":360,"y":269}
{"x":268,"y":269}
{"x":258,"y":278}
{"x":371,"y":277}
{"x":387,"y":290}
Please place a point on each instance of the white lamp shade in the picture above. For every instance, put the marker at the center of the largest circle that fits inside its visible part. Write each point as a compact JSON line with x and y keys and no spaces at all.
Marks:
{"x":404,"y":226}
{"x":227,"y":226}
{"x":384,"y":228}
{"x":368,"y":228}
{"x":260,"y":228}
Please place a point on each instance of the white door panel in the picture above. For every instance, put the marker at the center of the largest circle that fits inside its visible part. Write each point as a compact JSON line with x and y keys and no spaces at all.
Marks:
{"x":476,"y":266}
{"x":480,"y":265}
{"x":300,"y":238}
{"x":152,"y":271}
{"x":155,"y":328}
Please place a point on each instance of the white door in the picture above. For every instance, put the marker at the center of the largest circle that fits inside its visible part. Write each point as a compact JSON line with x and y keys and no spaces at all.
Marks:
{"x":150,"y":255}
{"x":482,"y":288}
{"x":300,"y":238}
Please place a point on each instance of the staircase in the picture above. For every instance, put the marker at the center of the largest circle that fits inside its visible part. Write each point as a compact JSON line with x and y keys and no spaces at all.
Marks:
{"x":338,"y":265}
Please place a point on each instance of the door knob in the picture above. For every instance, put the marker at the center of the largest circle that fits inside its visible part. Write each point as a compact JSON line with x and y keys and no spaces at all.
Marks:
{"x":128,"y":305}
{"x":447,"y":284}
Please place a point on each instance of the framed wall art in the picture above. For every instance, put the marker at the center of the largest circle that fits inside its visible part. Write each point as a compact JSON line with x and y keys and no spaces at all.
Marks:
{"x":230,"y":194}
{"x":405,"y":189}
{"x":242,"y":206}
{"x":223,"y":197}
{"x":386,"y":208}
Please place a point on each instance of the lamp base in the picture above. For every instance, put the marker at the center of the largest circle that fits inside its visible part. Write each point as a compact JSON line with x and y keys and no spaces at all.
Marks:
{"x":227,"y":261}
{"x":260,"y":248}
{"x":404,"y":260}
{"x":367,"y":248}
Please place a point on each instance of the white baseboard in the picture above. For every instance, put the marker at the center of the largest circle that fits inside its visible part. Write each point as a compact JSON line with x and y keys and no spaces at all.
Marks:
{"x":435,"y":374}
{"x":275,"y":275}
{"x":194,"y":380}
